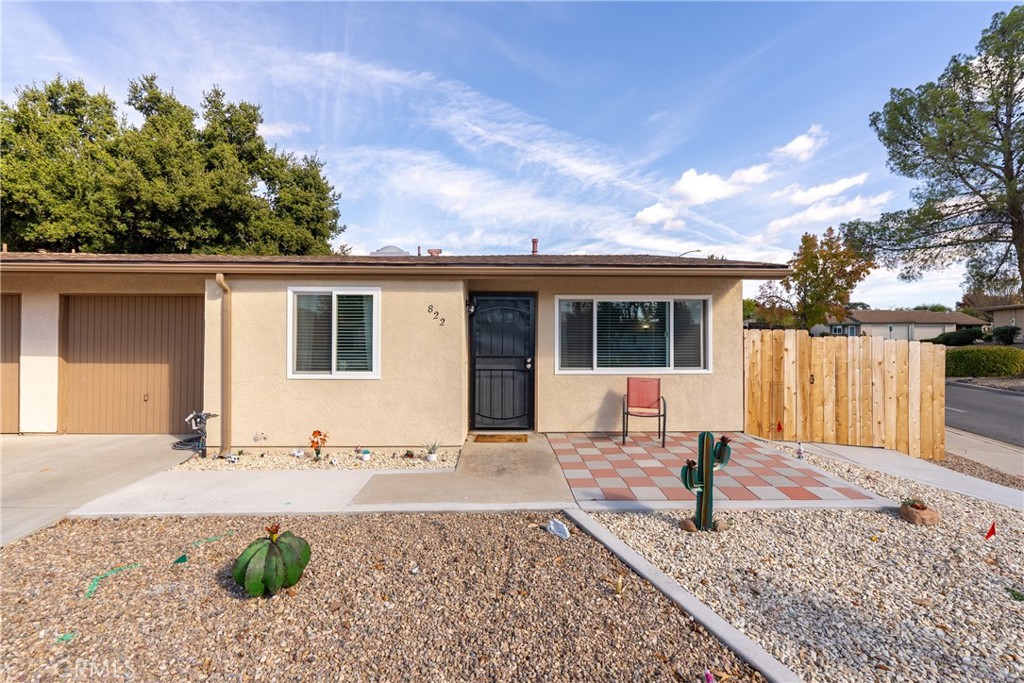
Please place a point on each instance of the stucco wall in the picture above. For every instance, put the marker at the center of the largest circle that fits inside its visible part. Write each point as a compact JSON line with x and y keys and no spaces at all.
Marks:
{"x":574,"y":403}
{"x":40,"y":329}
{"x":420,"y":396}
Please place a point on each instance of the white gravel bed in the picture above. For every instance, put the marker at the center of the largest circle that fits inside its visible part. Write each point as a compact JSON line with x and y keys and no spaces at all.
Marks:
{"x":856,"y":595}
{"x":332,"y":459}
{"x":432,"y":597}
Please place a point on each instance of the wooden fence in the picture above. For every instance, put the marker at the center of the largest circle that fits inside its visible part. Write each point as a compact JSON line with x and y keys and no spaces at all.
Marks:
{"x":860,"y":391}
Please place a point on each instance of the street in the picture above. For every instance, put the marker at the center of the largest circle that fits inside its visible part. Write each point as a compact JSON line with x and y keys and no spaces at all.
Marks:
{"x":996,"y":415}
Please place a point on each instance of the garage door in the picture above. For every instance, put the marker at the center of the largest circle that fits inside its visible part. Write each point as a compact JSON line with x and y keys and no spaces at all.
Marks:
{"x":10,"y":361}
{"x":900,"y":332}
{"x":131,"y":364}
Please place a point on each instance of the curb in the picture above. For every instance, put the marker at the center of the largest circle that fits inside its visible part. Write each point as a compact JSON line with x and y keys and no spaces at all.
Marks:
{"x":755,"y":655}
{"x":1005,"y":392}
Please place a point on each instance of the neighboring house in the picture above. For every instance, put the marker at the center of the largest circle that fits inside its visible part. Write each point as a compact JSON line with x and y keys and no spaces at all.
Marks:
{"x":1009,"y":314}
{"x":912,"y":325}
{"x":377,"y":350}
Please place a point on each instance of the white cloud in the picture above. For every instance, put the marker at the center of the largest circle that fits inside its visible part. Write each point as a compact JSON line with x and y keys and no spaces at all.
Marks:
{"x":803,"y":146}
{"x":654,"y":214}
{"x":695,"y":188}
{"x":282,"y":129}
{"x":829,"y":210}
{"x":800,"y":195}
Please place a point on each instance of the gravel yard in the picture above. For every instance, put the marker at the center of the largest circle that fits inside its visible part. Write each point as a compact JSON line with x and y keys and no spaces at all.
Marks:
{"x":852,"y":595}
{"x":333,"y":459}
{"x":385,"y":597}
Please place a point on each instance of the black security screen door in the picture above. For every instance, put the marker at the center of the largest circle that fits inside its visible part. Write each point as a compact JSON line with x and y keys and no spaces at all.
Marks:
{"x":501,"y":357}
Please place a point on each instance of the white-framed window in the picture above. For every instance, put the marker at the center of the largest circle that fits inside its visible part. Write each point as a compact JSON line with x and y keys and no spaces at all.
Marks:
{"x":632,"y":334}
{"x":851,"y":331}
{"x":334,"y":333}
{"x":837,"y":329}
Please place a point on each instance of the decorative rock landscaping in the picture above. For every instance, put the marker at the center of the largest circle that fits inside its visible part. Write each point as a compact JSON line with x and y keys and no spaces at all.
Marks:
{"x":333,"y":459}
{"x":435,"y":597}
{"x":850,"y":595}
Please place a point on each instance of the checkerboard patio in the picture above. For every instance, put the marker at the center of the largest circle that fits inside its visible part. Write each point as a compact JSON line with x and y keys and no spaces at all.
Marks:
{"x":598,"y":467}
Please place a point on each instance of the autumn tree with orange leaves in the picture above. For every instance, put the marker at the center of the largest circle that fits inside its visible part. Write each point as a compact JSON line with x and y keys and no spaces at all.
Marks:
{"x":825,"y":271}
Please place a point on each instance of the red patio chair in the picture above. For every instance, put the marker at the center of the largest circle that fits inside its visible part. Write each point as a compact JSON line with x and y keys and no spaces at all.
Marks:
{"x":643,"y":399}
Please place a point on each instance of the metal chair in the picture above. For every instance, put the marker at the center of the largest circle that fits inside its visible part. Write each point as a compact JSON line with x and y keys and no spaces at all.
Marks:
{"x":643,"y":399}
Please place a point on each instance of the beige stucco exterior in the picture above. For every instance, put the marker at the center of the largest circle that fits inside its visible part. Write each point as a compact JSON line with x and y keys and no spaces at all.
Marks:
{"x":585,"y":402}
{"x":422,"y":393}
{"x":40,"y":329}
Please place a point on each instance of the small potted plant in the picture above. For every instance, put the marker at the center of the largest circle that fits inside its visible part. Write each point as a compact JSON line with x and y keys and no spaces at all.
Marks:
{"x":916,"y":511}
{"x":432,"y":448}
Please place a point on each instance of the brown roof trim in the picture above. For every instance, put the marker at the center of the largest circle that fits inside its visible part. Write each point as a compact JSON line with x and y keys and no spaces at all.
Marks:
{"x":548,"y":264}
{"x":1001,"y":307}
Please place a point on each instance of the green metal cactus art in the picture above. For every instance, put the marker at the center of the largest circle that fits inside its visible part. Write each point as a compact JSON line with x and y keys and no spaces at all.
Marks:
{"x":700,"y":476}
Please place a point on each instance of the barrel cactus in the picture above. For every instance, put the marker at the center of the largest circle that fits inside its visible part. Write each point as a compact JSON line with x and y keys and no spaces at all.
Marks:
{"x":272,"y":563}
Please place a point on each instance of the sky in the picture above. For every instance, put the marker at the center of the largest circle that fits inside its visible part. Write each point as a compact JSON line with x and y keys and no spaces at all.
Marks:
{"x":726,"y":129}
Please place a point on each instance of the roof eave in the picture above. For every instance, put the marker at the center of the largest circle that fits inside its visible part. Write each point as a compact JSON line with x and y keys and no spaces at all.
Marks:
{"x":751,"y":273}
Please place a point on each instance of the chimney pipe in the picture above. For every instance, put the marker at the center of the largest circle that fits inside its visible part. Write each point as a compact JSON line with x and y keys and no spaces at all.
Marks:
{"x":434,"y":252}
{"x":535,"y":241}
{"x":419,"y":251}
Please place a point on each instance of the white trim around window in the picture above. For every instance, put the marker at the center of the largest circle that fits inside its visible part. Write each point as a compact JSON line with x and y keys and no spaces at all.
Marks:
{"x":333,"y":372}
{"x":705,"y":340}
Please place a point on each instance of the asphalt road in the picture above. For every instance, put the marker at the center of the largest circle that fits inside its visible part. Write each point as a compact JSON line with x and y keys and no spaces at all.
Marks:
{"x":997,"y":415}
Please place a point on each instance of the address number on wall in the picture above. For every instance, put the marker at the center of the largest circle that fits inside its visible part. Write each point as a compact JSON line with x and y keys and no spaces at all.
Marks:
{"x":435,"y":314}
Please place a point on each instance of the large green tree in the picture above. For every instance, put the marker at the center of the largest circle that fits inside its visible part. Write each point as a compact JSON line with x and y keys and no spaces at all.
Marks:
{"x":825,"y":272}
{"x":963,"y":138}
{"x":76,"y":176}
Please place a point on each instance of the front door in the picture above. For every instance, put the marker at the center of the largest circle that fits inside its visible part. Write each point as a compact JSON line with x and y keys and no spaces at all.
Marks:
{"x":501,"y":361}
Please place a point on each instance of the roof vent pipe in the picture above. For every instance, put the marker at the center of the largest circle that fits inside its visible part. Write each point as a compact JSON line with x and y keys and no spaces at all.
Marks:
{"x":535,"y":241}
{"x":419,"y":250}
{"x":434,"y":252}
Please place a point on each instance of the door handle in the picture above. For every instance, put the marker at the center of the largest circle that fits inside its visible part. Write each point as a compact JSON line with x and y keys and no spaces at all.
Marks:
{"x":529,"y":363}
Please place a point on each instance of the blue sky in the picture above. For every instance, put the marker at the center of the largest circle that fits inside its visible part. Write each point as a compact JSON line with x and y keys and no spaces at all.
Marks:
{"x":729,"y":128}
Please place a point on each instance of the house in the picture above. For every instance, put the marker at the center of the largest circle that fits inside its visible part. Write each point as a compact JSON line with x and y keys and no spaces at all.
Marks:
{"x":1007,"y":314}
{"x":912,"y":325}
{"x":383,"y":350}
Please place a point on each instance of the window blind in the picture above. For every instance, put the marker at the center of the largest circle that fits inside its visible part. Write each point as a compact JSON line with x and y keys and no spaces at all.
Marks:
{"x":632,"y":334}
{"x":687,"y":334}
{"x":355,"y":333}
{"x":576,"y":338}
{"x":313,"y":333}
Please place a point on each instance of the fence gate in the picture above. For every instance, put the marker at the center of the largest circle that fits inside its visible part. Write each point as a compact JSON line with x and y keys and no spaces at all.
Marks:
{"x":858,"y":391}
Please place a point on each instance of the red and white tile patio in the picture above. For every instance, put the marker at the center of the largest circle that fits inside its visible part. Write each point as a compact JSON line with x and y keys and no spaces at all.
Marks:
{"x":598,"y":467}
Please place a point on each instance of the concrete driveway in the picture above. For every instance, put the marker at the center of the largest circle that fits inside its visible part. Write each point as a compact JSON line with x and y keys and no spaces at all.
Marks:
{"x":45,"y":477}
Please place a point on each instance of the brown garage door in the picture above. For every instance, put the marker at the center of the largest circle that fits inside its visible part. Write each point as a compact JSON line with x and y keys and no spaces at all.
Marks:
{"x":10,"y":361}
{"x":131,"y":364}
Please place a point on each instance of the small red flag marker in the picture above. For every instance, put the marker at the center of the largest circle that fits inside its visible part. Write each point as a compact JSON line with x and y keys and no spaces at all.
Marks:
{"x":779,"y":428}
{"x":991,"y":531}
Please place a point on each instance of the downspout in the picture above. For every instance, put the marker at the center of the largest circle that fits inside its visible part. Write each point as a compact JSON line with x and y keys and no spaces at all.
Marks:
{"x":225,"y":365}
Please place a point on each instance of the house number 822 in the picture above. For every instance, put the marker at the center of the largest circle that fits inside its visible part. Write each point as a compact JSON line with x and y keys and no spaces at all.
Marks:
{"x":436,"y":314}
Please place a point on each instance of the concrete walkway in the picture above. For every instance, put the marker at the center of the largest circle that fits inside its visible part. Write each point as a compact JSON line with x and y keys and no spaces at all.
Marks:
{"x":45,"y":477}
{"x":996,"y":454}
{"x":900,"y":465}
{"x":488,"y":477}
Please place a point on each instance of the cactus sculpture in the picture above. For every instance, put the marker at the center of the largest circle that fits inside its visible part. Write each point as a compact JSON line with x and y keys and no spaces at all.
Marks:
{"x":271,"y":563}
{"x":700,"y":476}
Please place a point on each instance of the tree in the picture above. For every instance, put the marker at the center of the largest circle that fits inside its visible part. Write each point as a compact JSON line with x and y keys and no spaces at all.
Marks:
{"x":77,"y":177}
{"x":825,"y":272}
{"x":749,"y":309}
{"x":963,"y":137}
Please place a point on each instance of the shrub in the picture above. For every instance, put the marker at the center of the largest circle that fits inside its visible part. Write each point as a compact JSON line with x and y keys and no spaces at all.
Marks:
{"x":985,"y":361}
{"x":1005,"y":334}
{"x":964,"y":337}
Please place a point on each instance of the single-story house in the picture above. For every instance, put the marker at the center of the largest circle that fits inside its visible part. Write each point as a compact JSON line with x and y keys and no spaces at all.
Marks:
{"x":1007,"y":314}
{"x":380,"y":350}
{"x":912,"y":325}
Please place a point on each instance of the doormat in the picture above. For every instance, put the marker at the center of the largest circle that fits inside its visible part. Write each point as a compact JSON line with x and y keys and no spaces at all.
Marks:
{"x":500,"y":438}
